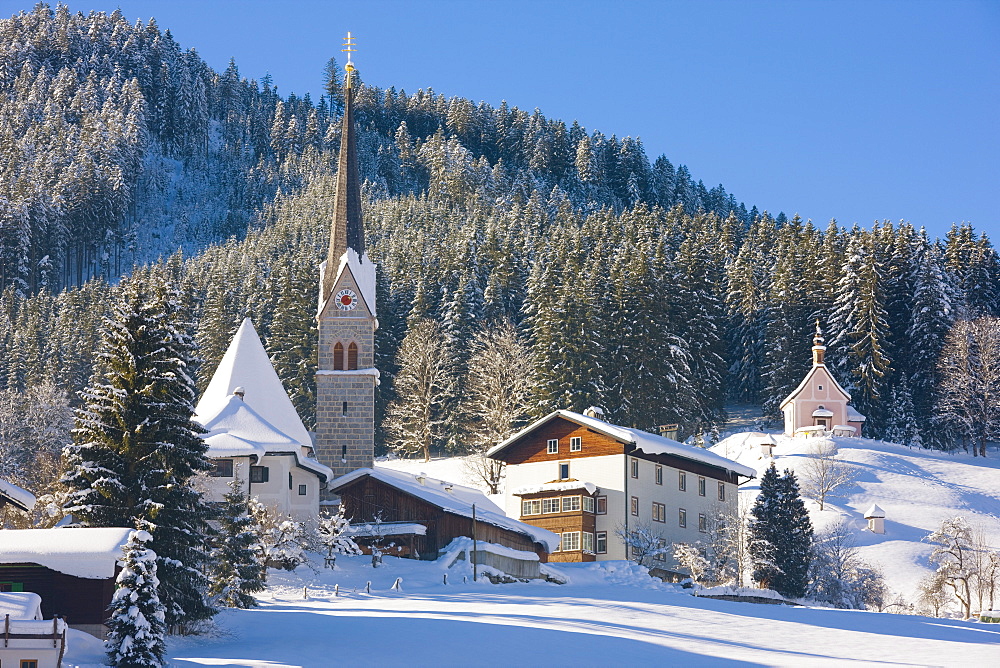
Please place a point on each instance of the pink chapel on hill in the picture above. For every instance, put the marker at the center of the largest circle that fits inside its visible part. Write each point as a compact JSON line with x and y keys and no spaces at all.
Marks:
{"x":819,"y":404}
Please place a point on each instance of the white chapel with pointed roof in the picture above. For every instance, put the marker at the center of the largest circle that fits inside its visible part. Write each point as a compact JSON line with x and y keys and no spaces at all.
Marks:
{"x":819,"y":404}
{"x":255,"y":434}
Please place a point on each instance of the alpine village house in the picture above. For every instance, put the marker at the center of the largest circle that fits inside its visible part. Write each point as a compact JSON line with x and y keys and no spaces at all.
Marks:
{"x":583,"y":478}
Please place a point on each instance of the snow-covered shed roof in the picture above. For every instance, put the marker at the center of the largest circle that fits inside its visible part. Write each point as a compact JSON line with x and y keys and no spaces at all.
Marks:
{"x":247,"y":365}
{"x":805,"y":381}
{"x":651,"y":444}
{"x":874,"y":511}
{"x":387,"y":529}
{"x":83,"y":552}
{"x":559,"y":486}
{"x":21,"y":605}
{"x":14,"y":495}
{"x":451,"y":498}
{"x":854,"y":416}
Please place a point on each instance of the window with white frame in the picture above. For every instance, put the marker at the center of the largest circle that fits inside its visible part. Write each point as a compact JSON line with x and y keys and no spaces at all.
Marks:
{"x":570,"y":504}
{"x":722,"y":491}
{"x":552,"y":446}
{"x":570,"y":541}
{"x":635,"y":468}
{"x":588,"y":541}
{"x":661,"y":553}
{"x":550,"y":505}
{"x":602,"y":542}
{"x":701,"y":486}
{"x":588,"y":504}
{"x":531,"y":507}
{"x":601,"y":505}
{"x":659,"y":474}
{"x":563,"y":470}
{"x":575,"y":444}
{"x":682,"y":518}
{"x":702,"y":523}
{"x":659,"y":512}
{"x":635,"y":506}
{"x":682,"y":481}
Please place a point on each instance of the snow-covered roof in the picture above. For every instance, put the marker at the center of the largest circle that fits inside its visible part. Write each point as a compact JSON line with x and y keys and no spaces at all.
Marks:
{"x":11,"y":493}
{"x":363,"y":271}
{"x":805,"y":381}
{"x":822,"y":412}
{"x":874,"y":511}
{"x":247,"y":365}
{"x":387,"y":529}
{"x":21,"y":605}
{"x":854,"y":416}
{"x":651,"y":444}
{"x":83,"y":552}
{"x":451,"y":498}
{"x":560,"y":486}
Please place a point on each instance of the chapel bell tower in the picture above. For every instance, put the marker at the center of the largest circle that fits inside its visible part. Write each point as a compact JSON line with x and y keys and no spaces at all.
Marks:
{"x":346,"y":375}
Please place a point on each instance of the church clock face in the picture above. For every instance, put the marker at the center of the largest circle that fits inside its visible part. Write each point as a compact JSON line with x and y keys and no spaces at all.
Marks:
{"x":347,"y":300}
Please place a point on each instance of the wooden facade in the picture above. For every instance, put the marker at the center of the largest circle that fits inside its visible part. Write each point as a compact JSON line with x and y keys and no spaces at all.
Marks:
{"x":80,"y":601}
{"x":561,"y":522}
{"x":366,"y":499}
{"x":532,"y":446}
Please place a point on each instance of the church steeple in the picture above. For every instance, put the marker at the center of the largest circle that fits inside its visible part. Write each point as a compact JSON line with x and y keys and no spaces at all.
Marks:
{"x":347,"y":228}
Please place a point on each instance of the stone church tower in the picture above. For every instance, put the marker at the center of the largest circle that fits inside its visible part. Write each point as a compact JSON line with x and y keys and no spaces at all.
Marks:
{"x":346,"y":376}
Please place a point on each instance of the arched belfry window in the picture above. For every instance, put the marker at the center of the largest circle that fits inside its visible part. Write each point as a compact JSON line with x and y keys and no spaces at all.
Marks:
{"x":352,"y":356}
{"x":338,"y":355}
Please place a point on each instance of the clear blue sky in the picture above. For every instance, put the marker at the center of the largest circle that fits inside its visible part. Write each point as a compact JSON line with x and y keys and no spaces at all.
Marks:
{"x":849,"y":110}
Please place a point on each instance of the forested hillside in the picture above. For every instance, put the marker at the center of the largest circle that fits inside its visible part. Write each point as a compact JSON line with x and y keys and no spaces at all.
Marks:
{"x":632,"y":285}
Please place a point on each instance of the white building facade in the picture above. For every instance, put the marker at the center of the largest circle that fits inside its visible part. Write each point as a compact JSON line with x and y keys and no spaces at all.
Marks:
{"x":584,"y":478}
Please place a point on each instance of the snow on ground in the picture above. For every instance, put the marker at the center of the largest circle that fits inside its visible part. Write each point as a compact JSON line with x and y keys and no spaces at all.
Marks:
{"x":610,"y":613}
{"x":917,"y":488}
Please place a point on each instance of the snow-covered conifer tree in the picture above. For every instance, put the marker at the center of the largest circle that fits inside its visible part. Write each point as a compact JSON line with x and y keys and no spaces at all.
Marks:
{"x":135,"y":448}
{"x":136,"y":628}
{"x":237,"y":572}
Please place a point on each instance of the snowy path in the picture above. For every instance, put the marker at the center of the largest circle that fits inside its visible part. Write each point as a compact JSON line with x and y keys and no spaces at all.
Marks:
{"x":595,"y":620}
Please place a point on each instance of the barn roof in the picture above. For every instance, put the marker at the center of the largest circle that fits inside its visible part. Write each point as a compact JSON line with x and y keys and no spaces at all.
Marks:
{"x":14,"y":495}
{"x":82,"y":552}
{"x":451,"y":498}
{"x":651,"y":444}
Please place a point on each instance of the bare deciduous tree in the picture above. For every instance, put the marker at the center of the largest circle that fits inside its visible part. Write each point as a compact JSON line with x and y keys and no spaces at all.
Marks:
{"x":424,"y":386}
{"x":642,"y":544}
{"x":822,"y":473}
{"x":497,"y":391}
{"x":955,"y":555}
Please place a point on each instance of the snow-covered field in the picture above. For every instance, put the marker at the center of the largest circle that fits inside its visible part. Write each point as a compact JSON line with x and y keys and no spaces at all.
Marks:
{"x":916,"y":488}
{"x":612,"y":613}
{"x":609,"y":614}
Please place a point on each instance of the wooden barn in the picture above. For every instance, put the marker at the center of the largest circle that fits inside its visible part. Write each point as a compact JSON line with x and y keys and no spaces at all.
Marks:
{"x":421,"y":516}
{"x":73,"y":570}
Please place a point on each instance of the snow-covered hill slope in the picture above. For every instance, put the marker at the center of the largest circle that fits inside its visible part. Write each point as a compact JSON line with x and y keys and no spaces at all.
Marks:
{"x":916,"y":488}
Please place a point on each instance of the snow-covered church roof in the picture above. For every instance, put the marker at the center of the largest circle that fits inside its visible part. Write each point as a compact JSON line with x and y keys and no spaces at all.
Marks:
{"x":261,"y":422}
{"x":84,"y":552}
{"x":11,"y":493}
{"x":247,"y":365}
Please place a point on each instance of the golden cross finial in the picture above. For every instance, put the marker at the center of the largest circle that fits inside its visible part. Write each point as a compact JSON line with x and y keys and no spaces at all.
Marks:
{"x":349,"y":48}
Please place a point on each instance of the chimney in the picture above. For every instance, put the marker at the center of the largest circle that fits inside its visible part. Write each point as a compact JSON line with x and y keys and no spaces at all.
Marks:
{"x":239,"y":392}
{"x":595,"y":412}
{"x":669,"y":431}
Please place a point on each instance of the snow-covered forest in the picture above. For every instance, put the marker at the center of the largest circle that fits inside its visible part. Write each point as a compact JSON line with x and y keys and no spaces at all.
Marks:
{"x":632,"y":285}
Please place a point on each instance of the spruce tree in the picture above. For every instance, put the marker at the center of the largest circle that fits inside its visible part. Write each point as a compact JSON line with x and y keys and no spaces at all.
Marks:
{"x":780,"y":535}
{"x":135,"y":448}
{"x":236,"y":572}
{"x":136,"y":628}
